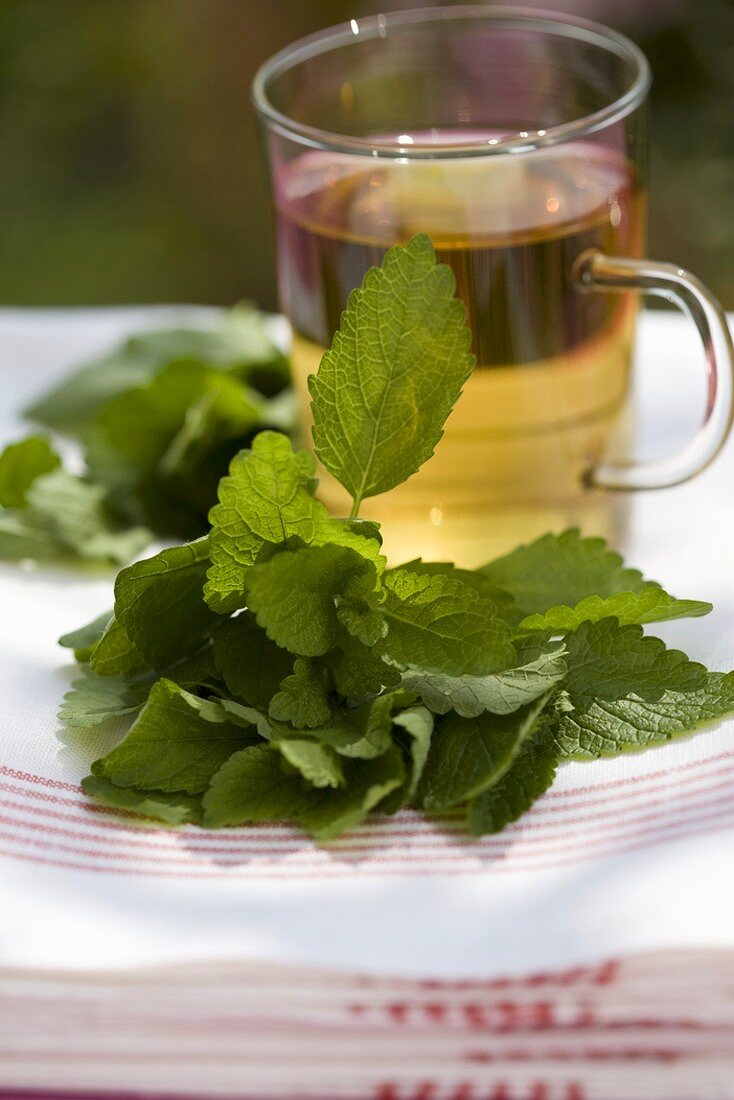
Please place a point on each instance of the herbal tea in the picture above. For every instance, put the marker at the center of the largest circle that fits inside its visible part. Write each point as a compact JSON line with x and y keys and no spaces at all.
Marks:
{"x":549,"y":390}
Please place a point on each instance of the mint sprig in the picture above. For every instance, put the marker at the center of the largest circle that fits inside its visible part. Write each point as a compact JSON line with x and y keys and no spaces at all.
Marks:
{"x":393,"y":373}
{"x":276,"y":669}
{"x":157,"y":421}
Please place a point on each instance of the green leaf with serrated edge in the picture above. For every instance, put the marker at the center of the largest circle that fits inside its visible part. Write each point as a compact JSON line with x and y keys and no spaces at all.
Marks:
{"x":84,"y":638}
{"x":77,"y":516}
{"x":363,"y":732}
{"x":246,"y":716}
{"x":142,"y":423}
{"x":266,"y":503}
{"x":294,"y":595}
{"x":626,"y":692}
{"x":353,"y":535}
{"x":302,"y":698}
{"x":417,"y":722}
{"x":562,"y":570}
{"x":224,"y":410}
{"x":160,"y":605}
{"x":368,"y":782}
{"x":503,"y":601}
{"x":540,"y":664}
{"x":93,"y":700}
{"x":393,"y":373}
{"x":440,"y":624}
{"x":530,"y":776}
{"x":177,"y":743}
{"x":359,"y":609}
{"x":251,"y":666}
{"x":266,"y":500}
{"x":318,"y":764}
{"x":20,"y":464}
{"x":650,"y":605}
{"x":357,"y":670}
{"x":468,"y":755}
{"x":115,"y":655}
{"x":365,"y":528}
{"x":165,"y":809}
{"x":240,"y":342}
{"x":256,"y":784}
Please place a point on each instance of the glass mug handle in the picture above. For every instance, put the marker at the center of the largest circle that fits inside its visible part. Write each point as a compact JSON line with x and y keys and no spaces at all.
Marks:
{"x":595,"y":271}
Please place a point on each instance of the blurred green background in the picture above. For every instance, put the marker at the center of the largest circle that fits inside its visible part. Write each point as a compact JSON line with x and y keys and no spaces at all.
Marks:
{"x":130,"y":168}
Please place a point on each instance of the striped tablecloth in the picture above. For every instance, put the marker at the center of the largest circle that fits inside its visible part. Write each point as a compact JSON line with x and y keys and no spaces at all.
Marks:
{"x":587,"y":953}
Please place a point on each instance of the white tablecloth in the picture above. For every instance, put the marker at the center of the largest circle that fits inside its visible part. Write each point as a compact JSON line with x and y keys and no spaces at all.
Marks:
{"x":622,"y":856}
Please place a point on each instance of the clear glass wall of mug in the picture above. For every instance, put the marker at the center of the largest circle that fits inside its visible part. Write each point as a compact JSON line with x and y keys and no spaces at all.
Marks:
{"x":517,"y":142}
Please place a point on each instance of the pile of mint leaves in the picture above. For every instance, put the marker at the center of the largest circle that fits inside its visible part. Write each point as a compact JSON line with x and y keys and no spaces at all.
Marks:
{"x":276,"y":669}
{"x":159,"y":421}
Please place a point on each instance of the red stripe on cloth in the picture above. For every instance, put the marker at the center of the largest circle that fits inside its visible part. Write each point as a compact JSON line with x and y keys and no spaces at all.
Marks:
{"x":284,"y":872}
{"x":200,"y":840}
{"x":252,"y":846}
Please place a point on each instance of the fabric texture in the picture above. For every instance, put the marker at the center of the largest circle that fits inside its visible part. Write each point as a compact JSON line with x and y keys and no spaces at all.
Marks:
{"x":405,"y":955}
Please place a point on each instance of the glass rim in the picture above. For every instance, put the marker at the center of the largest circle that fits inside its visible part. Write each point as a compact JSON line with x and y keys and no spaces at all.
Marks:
{"x":378,"y":26}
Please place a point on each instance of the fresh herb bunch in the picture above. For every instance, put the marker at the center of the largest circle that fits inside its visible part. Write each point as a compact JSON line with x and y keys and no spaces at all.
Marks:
{"x":277,"y":669}
{"x":159,"y":421}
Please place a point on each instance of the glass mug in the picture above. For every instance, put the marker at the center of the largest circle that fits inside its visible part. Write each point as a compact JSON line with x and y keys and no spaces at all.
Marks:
{"x":516,"y":141}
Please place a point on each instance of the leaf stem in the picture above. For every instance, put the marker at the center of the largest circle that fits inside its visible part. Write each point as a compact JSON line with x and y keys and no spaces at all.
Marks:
{"x":356,"y":502}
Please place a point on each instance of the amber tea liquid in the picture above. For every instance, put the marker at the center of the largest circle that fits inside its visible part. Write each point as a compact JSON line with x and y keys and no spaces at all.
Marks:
{"x":549,"y":392}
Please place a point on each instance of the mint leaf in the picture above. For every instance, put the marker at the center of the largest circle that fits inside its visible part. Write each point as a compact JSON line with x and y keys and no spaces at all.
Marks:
{"x":256,"y":784}
{"x":468,"y":755}
{"x":251,"y":666}
{"x":84,"y":638}
{"x":223,"y":411}
{"x":530,"y":776}
{"x":177,"y":743}
{"x":302,"y":699}
{"x":626,"y":691}
{"x":294,"y":596}
{"x":368,"y":782}
{"x":155,"y":423}
{"x":561,"y":570}
{"x":20,"y":464}
{"x":357,"y":670}
{"x":440,"y":624}
{"x":359,"y":609}
{"x":160,"y":605}
{"x":503,"y":601}
{"x":650,"y":605}
{"x":246,"y":716}
{"x":77,"y":516}
{"x":266,"y":500}
{"x":71,"y":405}
{"x":417,"y":722}
{"x":161,"y":449}
{"x":540,"y":665}
{"x":115,"y":655}
{"x":318,"y":764}
{"x":165,"y":809}
{"x":26,"y":536}
{"x":393,"y":373}
{"x":239,"y":341}
{"x":197,"y":670}
{"x":93,"y":700}
{"x":362,"y":732}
